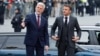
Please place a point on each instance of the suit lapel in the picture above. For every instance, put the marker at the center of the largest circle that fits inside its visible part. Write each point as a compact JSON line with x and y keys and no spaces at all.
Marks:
{"x":34,"y":21}
{"x":62,"y":22}
{"x":61,"y":19}
{"x":69,"y":22}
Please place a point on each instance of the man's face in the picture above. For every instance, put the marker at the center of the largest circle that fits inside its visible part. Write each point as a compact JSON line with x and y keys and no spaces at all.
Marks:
{"x":16,"y":11}
{"x":66,"y":11}
{"x":39,"y":9}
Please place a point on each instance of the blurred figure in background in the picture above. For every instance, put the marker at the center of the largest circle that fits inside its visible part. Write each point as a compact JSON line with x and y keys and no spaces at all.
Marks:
{"x":45,"y":13}
{"x":34,"y":4}
{"x":2,"y":10}
{"x":10,"y":10}
{"x":17,"y":20}
{"x":91,"y":7}
{"x":97,"y":2}
{"x":80,"y":8}
{"x":54,"y":2}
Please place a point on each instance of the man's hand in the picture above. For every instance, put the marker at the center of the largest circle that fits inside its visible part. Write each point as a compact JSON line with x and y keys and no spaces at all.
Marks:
{"x":46,"y":48}
{"x":23,"y":24}
{"x":55,"y":38}
{"x":75,"y":39}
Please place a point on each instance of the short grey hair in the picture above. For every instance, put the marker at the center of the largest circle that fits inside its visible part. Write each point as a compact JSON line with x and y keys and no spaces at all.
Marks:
{"x":41,"y":3}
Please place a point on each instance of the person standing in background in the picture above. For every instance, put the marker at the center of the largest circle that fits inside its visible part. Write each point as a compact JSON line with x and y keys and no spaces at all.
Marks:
{"x":10,"y":9}
{"x":17,"y":20}
{"x":91,"y":7}
{"x":45,"y":13}
{"x":34,"y":4}
{"x":2,"y":10}
{"x":66,"y":38}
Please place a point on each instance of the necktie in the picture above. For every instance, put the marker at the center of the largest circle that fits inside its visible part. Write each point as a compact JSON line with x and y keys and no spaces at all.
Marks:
{"x":65,"y":20}
{"x":38,"y":20}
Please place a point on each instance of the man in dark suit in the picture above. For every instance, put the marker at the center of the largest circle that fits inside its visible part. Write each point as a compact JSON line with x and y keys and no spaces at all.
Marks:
{"x":65,"y":38}
{"x":37,"y":32}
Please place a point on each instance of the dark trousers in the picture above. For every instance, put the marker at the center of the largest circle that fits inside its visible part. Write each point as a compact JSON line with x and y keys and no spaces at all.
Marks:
{"x":65,"y":48}
{"x":1,"y":19}
{"x":30,"y":50}
{"x":87,"y":9}
{"x":81,"y":10}
{"x":17,"y":29}
{"x":91,"y":10}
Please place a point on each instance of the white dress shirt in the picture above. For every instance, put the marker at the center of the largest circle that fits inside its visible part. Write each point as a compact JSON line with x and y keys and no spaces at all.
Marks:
{"x":67,"y":19}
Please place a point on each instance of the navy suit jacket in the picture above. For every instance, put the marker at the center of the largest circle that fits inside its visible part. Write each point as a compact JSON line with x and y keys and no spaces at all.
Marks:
{"x":34,"y":32}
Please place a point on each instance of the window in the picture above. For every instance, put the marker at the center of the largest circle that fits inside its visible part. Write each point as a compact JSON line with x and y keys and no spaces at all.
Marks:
{"x":84,"y":37}
{"x":12,"y":42}
{"x":98,"y":36}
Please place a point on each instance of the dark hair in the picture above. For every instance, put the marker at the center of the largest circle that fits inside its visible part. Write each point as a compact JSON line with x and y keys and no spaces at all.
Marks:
{"x":17,"y":9}
{"x":67,"y":5}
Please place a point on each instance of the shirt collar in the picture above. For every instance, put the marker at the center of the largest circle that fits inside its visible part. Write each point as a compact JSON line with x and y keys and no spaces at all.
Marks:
{"x":37,"y":14}
{"x":67,"y":16}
